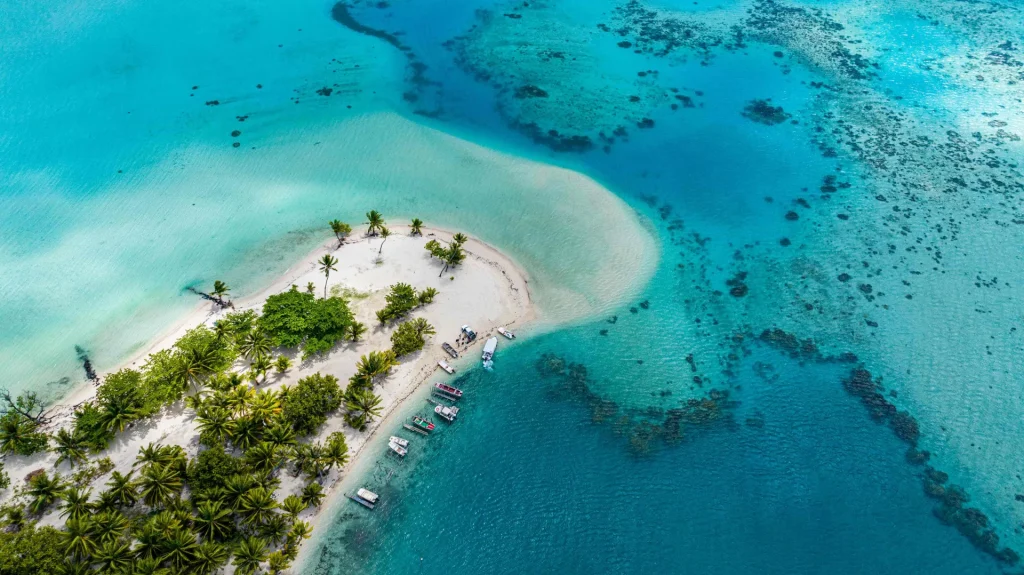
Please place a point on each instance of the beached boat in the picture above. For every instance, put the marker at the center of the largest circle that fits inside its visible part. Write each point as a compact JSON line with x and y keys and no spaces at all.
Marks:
{"x":506,"y":333}
{"x":469,"y":332}
{"x":399,"y":440}
{"x":398,"y":449}
{"x":447,"y":413}
{"x":489,"y":346}
{"x":447,"y":347}
{"x":448,"y":390}
{"x":364,"y":497}
{"x":422,"y":424}
{"x":444,"y":365}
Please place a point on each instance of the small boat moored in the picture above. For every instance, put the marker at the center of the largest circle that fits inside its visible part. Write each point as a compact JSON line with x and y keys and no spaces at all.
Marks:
{"x":506,"y":333}
{"x":489,"y":346}
{"x":470,"y":334}
{"x":397,"y":449}
{"x":364,"y":497}
{"x":449,"y":391}
{"x":444,"y":365}
{"x":422,"y":424}
{"x":399,"y":441}
{"x":447,"y":347}
{"x":447,"y":413}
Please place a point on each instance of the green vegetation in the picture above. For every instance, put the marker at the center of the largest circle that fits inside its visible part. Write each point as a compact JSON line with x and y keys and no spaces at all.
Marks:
{"x":340,"y":229}
{"x":31,"y":551}
{"x":384,"y":233}
{"x":327,"y":263}
{"x":219,"y":292}
{"x":363,"y":407}
{"x":310,"y":401}
{"x":417,"y":227}
{"x":409,"y":336}
{"x":451,"y":255}
{"x":402,"y":299}
{"x":293,"y":319}
{"x":375,"y":221}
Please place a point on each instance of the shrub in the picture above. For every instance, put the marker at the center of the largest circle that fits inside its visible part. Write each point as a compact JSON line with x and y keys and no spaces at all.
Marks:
{"x":207,"y":471}
{"x":31,"y":551}
{"x":310,"y":401}
{"x":406,"y":339}
{"x":293,"y":319}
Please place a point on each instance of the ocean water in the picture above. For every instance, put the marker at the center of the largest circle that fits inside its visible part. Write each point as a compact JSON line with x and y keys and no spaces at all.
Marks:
{"x":876,"y":213}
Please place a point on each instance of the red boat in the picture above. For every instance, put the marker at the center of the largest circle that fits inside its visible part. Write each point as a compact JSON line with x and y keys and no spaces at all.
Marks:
{"x":448,"y":390}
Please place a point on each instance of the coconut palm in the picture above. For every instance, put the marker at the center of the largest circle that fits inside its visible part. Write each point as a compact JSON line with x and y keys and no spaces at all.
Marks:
{"x":417,"y":227}
{"x":213,"y":521}
{"x":263,"y":406}
{"x":255,"y":344}
{"x":250,"y":553}
{"x":109,"y":526}
{"x":363,"y":406}
{"x":280,"y":434}
{"x":70,"y":446}
{"x":76,"y":568}
{"x":313,"y":494}
{"x":277,"y":563}
{"x":327,"y":264}
{"x":300,"y":530}
{"x":208,"y":558}
{"x":275,"y":528}
{"x":246,"y":433}
{"x":263,"y":457}
{"x":76,"y":503}
{"x":282,"y":363}
{"x":452,"y":256}
{"x":310,"y":287}
{"x":426,"y":296}
{"x":356,"y":331}
{"x":459,"y":239}
{"x":376,"y":363}
{"x":340,"y":229}
{"x":384,"y":233}
{"x":235,"y":488}
{"x":237,"y":398}
{"x":149,"y":540}
{"x":113,"y":556}
{"x":220,"y":289}
{"x":293,"y":505}
{"x":118,"y":413}
{"x":122,"y":488}
{"x":15,"y":518}
{"x":179,"y":548}
{"x":259,"y":367}
{"x":149,"y":567}
{"x":376,"y":221}
{"x":221,"y":329}
{"x":216,"y":423}
{"x":44,"y":491}
{"x":13,"y":433}
{"x":159,"y":483}
{"x":336,"y":451}
{"x":422,"y":327}
{"x":257,"y":505}
{"x":77,"y":538}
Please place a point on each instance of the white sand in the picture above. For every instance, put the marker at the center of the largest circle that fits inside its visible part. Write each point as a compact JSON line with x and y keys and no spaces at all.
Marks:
{"x":488,"y":290}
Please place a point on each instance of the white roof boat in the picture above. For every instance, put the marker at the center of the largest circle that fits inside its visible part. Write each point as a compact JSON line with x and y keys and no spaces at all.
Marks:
{"x":447,"y":413}
{"x":364,"y":497}
{"x":399,"y":441}
{"x":489,"y":346}
{"x":444,"y":365}
{"x":401,"y":451}
{"x":506,"y":333}
{"x":448,"y":390}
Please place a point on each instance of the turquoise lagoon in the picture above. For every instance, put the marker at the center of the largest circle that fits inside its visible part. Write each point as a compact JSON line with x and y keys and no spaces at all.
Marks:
{"x":760,"y":225}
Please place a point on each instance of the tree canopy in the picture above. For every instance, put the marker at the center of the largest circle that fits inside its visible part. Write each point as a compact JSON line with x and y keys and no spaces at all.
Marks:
{"x":297,"y":319}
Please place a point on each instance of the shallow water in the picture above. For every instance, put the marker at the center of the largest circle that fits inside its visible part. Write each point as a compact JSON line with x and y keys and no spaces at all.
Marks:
{"x":897,"y":166}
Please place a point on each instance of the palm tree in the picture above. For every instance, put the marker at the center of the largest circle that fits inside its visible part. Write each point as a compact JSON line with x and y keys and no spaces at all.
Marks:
{"x":336,"y":452}
{"x":13,"y":432}
{"x":179,"y":548}
{"x":340,"y":229}
{"x":459,"y":239}
{"x":263,"y":457}
{"x":384,"y":233}
{"x":109,"y":526}
{"x":221,"y":329}
{"x":106,"y":502}
{"x":250,"y":553}
{"x":212,"y":521}
{"x":113,"y":556}
{"x":77,"y":538}
{"x":426,"y":296}
{"x":376,"y":221}
{"x":263,"y":406}
{"x":255,"y":345}
{"x":327,"y":264}
{"x":275,"y":528}
{"x":237,"y":398}
{"x":376,"y":363}
{"x":280,"y":434}
{"x":417,"y":227}
{"x":149,"y":566}
{"x":215,"y":422}
{"x":159,"y":483}
{"x":356,"y":331}
{"x":422,"y":327}
{"x":293,"y":505}
{"x":122,"y":488}
{"x":76,"y":503}
{"x":44,"y":491}
{"x":277,"y":563}
{"x":150,"y":539}
{"x":118,"y":413}
{"x":257,"y":505}
{"x":310,"y":287}
{"x":247,"y":432}
{"x":300,"y":530}
{"x":220,"y":289}
{"x":15,"y":518}
{"x":235,"y":488}
{"x":208,"y":558}
{"x":70,"y":447}
{"x":77,"y":568}
{"x":363,"y":406}
{"x":452,"y":256}
{"x":259,"y":368}
{"x":282,"y":363}
{"x":313,"y":494}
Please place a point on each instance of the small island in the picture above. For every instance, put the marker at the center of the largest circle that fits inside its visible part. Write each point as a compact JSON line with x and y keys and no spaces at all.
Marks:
{"x":216,"y":449}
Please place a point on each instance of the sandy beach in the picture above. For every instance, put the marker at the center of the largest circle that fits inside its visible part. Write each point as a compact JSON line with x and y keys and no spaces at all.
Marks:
{"x":487,"y":291}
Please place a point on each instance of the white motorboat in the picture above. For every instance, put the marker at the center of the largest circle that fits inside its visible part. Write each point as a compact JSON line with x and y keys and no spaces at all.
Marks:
{"x":489,"y":346}
{"x":447,"y":413}
{"x":506,"y":333}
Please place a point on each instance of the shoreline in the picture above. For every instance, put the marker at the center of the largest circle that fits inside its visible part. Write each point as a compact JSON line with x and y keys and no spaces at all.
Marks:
{"x":505,"y":299}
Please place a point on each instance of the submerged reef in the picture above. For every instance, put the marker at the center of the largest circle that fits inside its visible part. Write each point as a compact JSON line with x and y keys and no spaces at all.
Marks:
{"x":762,"y":112}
